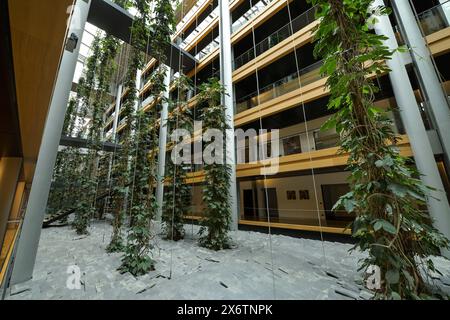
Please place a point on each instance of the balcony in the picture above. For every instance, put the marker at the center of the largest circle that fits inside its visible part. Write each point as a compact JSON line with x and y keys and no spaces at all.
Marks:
{"x":275,"y":38}
{"x":285,"y":85}
{"x":302,"y":142}
{"x":238,"y":25}
{"x":208,"y":49}
{"x":246,"y":17}
{"x":200,"y":28}
{"x":435,"y":19}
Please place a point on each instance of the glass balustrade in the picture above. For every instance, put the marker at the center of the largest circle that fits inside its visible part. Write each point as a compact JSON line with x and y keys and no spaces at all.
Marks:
{"x":246,"y":17}
{"x":285,"y":85}
{"x":239,"y":24}
{"x":202,"y":26}
{"x":325,"y":140}
{"x":275,"y":38}
{"x":435,"y":19}
{"x":298,"y":143}
{"x":208,"y":49}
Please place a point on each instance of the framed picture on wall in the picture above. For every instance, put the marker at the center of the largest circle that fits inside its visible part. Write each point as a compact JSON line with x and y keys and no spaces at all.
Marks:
{"x":291,"y":195}
{"x":304,"y":195}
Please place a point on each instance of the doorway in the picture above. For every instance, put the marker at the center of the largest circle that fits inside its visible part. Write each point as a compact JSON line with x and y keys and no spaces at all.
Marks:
{"x":270,"y":202}
{"x":331,"y":193}
{"x":249,"y":204}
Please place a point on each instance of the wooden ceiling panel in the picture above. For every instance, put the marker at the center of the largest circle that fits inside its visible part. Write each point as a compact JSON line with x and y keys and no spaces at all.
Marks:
{"x":38,"y":29}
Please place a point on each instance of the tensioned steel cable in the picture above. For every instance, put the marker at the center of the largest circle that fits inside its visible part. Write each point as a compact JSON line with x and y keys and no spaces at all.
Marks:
{"x":268,"y":212}
{"x":195,"y":115}
{"x":306,"y":126}
{"x":89,"y":144}
{"x":123,"y":49}
{"x":168,"y":72}
{"x":137,"y":132}
{"x":127,"y":48}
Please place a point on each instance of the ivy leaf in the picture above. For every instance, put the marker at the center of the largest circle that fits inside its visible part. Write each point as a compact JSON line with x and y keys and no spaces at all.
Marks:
{"x":329,"y":124}
{"x":392,"y":276}
{"x":385,"y":225}
{"x":395,"y":296}
{"x":398,"y":189}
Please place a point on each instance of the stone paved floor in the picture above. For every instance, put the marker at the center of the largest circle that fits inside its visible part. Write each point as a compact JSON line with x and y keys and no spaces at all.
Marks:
{"x":303,"y":269}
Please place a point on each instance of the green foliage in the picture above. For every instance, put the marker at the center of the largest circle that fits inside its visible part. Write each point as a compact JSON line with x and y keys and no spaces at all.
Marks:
{"x":89,"y":105}
{"x":177,"y":194}
{"x":121,"y":171}
{"x":76,"y":174}
{"x":96,"y":99}
{"x":385,"y":194}
{"x":216,"y":192}
{"x":162,"y":27}
{"x":143,"y":202}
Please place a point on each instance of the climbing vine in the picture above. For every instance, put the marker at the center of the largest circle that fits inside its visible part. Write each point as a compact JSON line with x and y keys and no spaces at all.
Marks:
{"x":143,"y":204}
{"x":216,"y":224}
{"x":176,"y":200}
{"x":385,"y":194}
{"x":90,"y":106}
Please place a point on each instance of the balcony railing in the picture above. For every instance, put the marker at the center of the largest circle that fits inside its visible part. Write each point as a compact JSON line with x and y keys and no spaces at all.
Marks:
{"x":298,"y":143}
{"x":246,"y":17}
{"x":275,"y":38}
{"x":238,"y":25}
{"x":285,"y":85}
{"x":435,"y":19}
{"x":202,"y":26}
{"x":208,"y":49}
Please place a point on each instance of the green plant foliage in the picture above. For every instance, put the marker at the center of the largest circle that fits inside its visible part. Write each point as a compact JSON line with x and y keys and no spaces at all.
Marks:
{"x":76,"y":173}
{"x":137,"y":258}
{"x":96,"y":99}
{"x":216,"y":192}
{"x":177,"y":193}
{"x":89,"y":104}
{"x":385,"y":194}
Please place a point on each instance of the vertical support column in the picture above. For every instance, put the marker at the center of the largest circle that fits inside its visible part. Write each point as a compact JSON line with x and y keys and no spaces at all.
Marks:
{"x":137,"y":104}
{"x":438,"y":205}
{"x":429,"y":80}
{"x":9,"y":176}
{"x":163,"y":146}
{"x":37,"y":202}
{"x":226,"y":72}
{"x":117,"y":112}
{"x":114,"y":129}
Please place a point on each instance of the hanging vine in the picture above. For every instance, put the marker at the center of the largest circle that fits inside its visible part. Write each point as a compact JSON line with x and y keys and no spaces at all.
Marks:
{"x":89,"y":106}
{"x":385,"y":195}
{"x":136,"y":259}
{"x":177,"y":194}
{"x":144,"y":204}
{"x":57,"y":196}
{"x":216,"y":192}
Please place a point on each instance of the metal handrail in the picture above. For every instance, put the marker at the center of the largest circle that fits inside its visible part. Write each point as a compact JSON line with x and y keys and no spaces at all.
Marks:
{"x":432,"y":8}
{"x":288,"y":30}
{"x":281,"y":81}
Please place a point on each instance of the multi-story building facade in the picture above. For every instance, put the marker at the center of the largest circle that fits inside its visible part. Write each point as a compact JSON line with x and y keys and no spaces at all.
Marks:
{"x":277,"y":85}
{"x":263,"y":53}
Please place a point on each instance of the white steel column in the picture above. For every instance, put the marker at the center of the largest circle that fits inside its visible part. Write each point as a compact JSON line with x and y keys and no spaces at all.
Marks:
{"x":420,"y":53}
{"x":438,"y":205}
{"x":226,"y":72}
{"x":37,"y":202}
{"x":162,"y":146}
{"x":117,"y":112}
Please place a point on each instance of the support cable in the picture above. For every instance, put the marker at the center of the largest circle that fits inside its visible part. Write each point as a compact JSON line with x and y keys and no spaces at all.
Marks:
{"x":307,"y":130}
{"x":264,"y":165}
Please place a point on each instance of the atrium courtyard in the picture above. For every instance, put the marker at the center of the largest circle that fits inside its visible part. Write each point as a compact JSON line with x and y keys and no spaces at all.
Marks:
{"x":224,"y":150}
